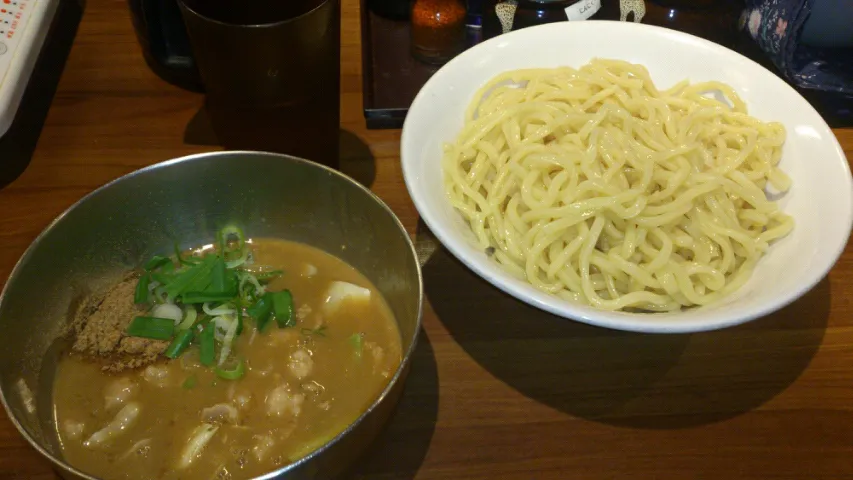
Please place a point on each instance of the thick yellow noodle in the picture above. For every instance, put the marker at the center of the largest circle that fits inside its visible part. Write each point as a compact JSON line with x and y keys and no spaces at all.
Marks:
{"x":596,"y":186}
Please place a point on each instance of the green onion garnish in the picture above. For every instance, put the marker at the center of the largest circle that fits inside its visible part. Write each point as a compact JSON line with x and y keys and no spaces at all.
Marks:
{"x":248,"y":287}
{"x":141,"y":293}
{"x":202,"y":297}
{"x":283,"y":307}
{"x":152,"y":327}
{"x":179,"y":344}
{"x":217,"y":275}
{"x":163,"y":278}
{"x":237,"y":372}
{"x":193,"y":279}
{"x":190,"y":316}
{"x":261,"y":311}
{"x":233,"y":257}
{"x":356,"y":341}
{"x":197,"y":282}
{"x":206,"y":345}
{"x":156,"y":262}
{"x":168,"y":268}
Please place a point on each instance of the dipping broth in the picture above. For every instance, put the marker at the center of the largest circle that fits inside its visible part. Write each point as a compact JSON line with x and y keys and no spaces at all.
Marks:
{"x":302,"y":384}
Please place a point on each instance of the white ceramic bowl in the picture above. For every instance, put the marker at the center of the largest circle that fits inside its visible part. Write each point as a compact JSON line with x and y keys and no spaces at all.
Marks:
{"x":821,"y":199}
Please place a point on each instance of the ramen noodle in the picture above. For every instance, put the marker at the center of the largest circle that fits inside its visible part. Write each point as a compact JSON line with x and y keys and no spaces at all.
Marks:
{"x":595,"y":186}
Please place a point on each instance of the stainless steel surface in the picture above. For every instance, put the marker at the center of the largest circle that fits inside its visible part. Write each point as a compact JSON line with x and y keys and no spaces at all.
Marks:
{"x":187,"y":200}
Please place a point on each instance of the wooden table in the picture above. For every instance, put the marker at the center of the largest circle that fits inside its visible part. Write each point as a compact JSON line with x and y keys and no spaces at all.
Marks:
{"x":498,"y":389}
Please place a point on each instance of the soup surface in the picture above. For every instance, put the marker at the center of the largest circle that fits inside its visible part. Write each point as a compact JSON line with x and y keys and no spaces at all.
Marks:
{"x":302,"y":385}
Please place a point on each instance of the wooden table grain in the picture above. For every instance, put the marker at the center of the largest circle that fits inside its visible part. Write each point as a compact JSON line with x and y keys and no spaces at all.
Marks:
{"x":497,"y":389}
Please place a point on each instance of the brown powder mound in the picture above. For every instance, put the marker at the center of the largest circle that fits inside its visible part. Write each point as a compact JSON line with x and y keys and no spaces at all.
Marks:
{"x":98,"y":330}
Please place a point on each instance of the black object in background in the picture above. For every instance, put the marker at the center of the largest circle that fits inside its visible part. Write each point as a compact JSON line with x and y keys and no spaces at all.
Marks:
{"x":165,"y":46}
{"x":270,"y":69}
{"x":475,"y":13}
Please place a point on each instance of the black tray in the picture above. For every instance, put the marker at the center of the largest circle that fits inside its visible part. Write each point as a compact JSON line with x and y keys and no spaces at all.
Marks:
{"x":392,"y":77}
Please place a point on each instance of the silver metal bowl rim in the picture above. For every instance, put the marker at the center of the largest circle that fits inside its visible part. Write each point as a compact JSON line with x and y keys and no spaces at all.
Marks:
{"x":202,"y":157}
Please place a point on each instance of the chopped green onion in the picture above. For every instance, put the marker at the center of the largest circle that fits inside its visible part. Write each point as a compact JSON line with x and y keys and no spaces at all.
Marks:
{"x":190,"y":316}
{"x":249,"y":287}
{"x":217,"y":275}
{"x":226,"y":232}
{"x":163,"y":278}
{"x":219,"y":309}
{"x":152,"y":327}
{"x":228,"y":254}
{"x":283,"y":307}
{"x":356,"y":341}
{"x":235,"y":373}
{"x":232,"y":280}
{"x":202,"y":297}
{"x":261,"y":311}
{"x":141,"y":293}
{"x":201,"y":283}
{"x":179,"y":344}
{"x":194,"y":279}
{"x":206,"y":345}
{"x":320,"y":331}
{"x":156,"y":262}
{"x":190,"y":382}
{"x":228,"y":340}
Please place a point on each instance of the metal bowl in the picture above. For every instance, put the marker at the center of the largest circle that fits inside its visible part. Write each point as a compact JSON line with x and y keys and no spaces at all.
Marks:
{"x":186,"y":200}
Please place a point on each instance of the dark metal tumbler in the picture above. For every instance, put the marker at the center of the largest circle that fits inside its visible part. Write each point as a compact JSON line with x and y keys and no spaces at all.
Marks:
{"x":272,"y":86}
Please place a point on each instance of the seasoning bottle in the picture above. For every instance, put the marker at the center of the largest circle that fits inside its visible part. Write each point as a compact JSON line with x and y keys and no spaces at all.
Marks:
{"x":438,"y":29}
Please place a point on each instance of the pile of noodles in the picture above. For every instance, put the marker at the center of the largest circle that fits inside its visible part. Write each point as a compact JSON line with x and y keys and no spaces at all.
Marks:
{"x":596,"y":186}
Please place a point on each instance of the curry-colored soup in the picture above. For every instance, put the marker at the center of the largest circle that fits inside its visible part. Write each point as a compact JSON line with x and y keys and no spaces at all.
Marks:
{"x":302,"y":386}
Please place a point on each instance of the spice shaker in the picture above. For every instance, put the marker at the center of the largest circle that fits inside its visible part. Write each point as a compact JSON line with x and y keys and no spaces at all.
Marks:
{"x":438,"y":29}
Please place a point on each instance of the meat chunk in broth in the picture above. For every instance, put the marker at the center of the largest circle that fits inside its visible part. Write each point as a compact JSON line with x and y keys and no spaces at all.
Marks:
{"x":300,"y":364}
{"x":157,"y":375}
{"x":73,"y":429}
{"x":119,"y":391}
{"x":284,"y":401}
{"x":221,"y":413}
